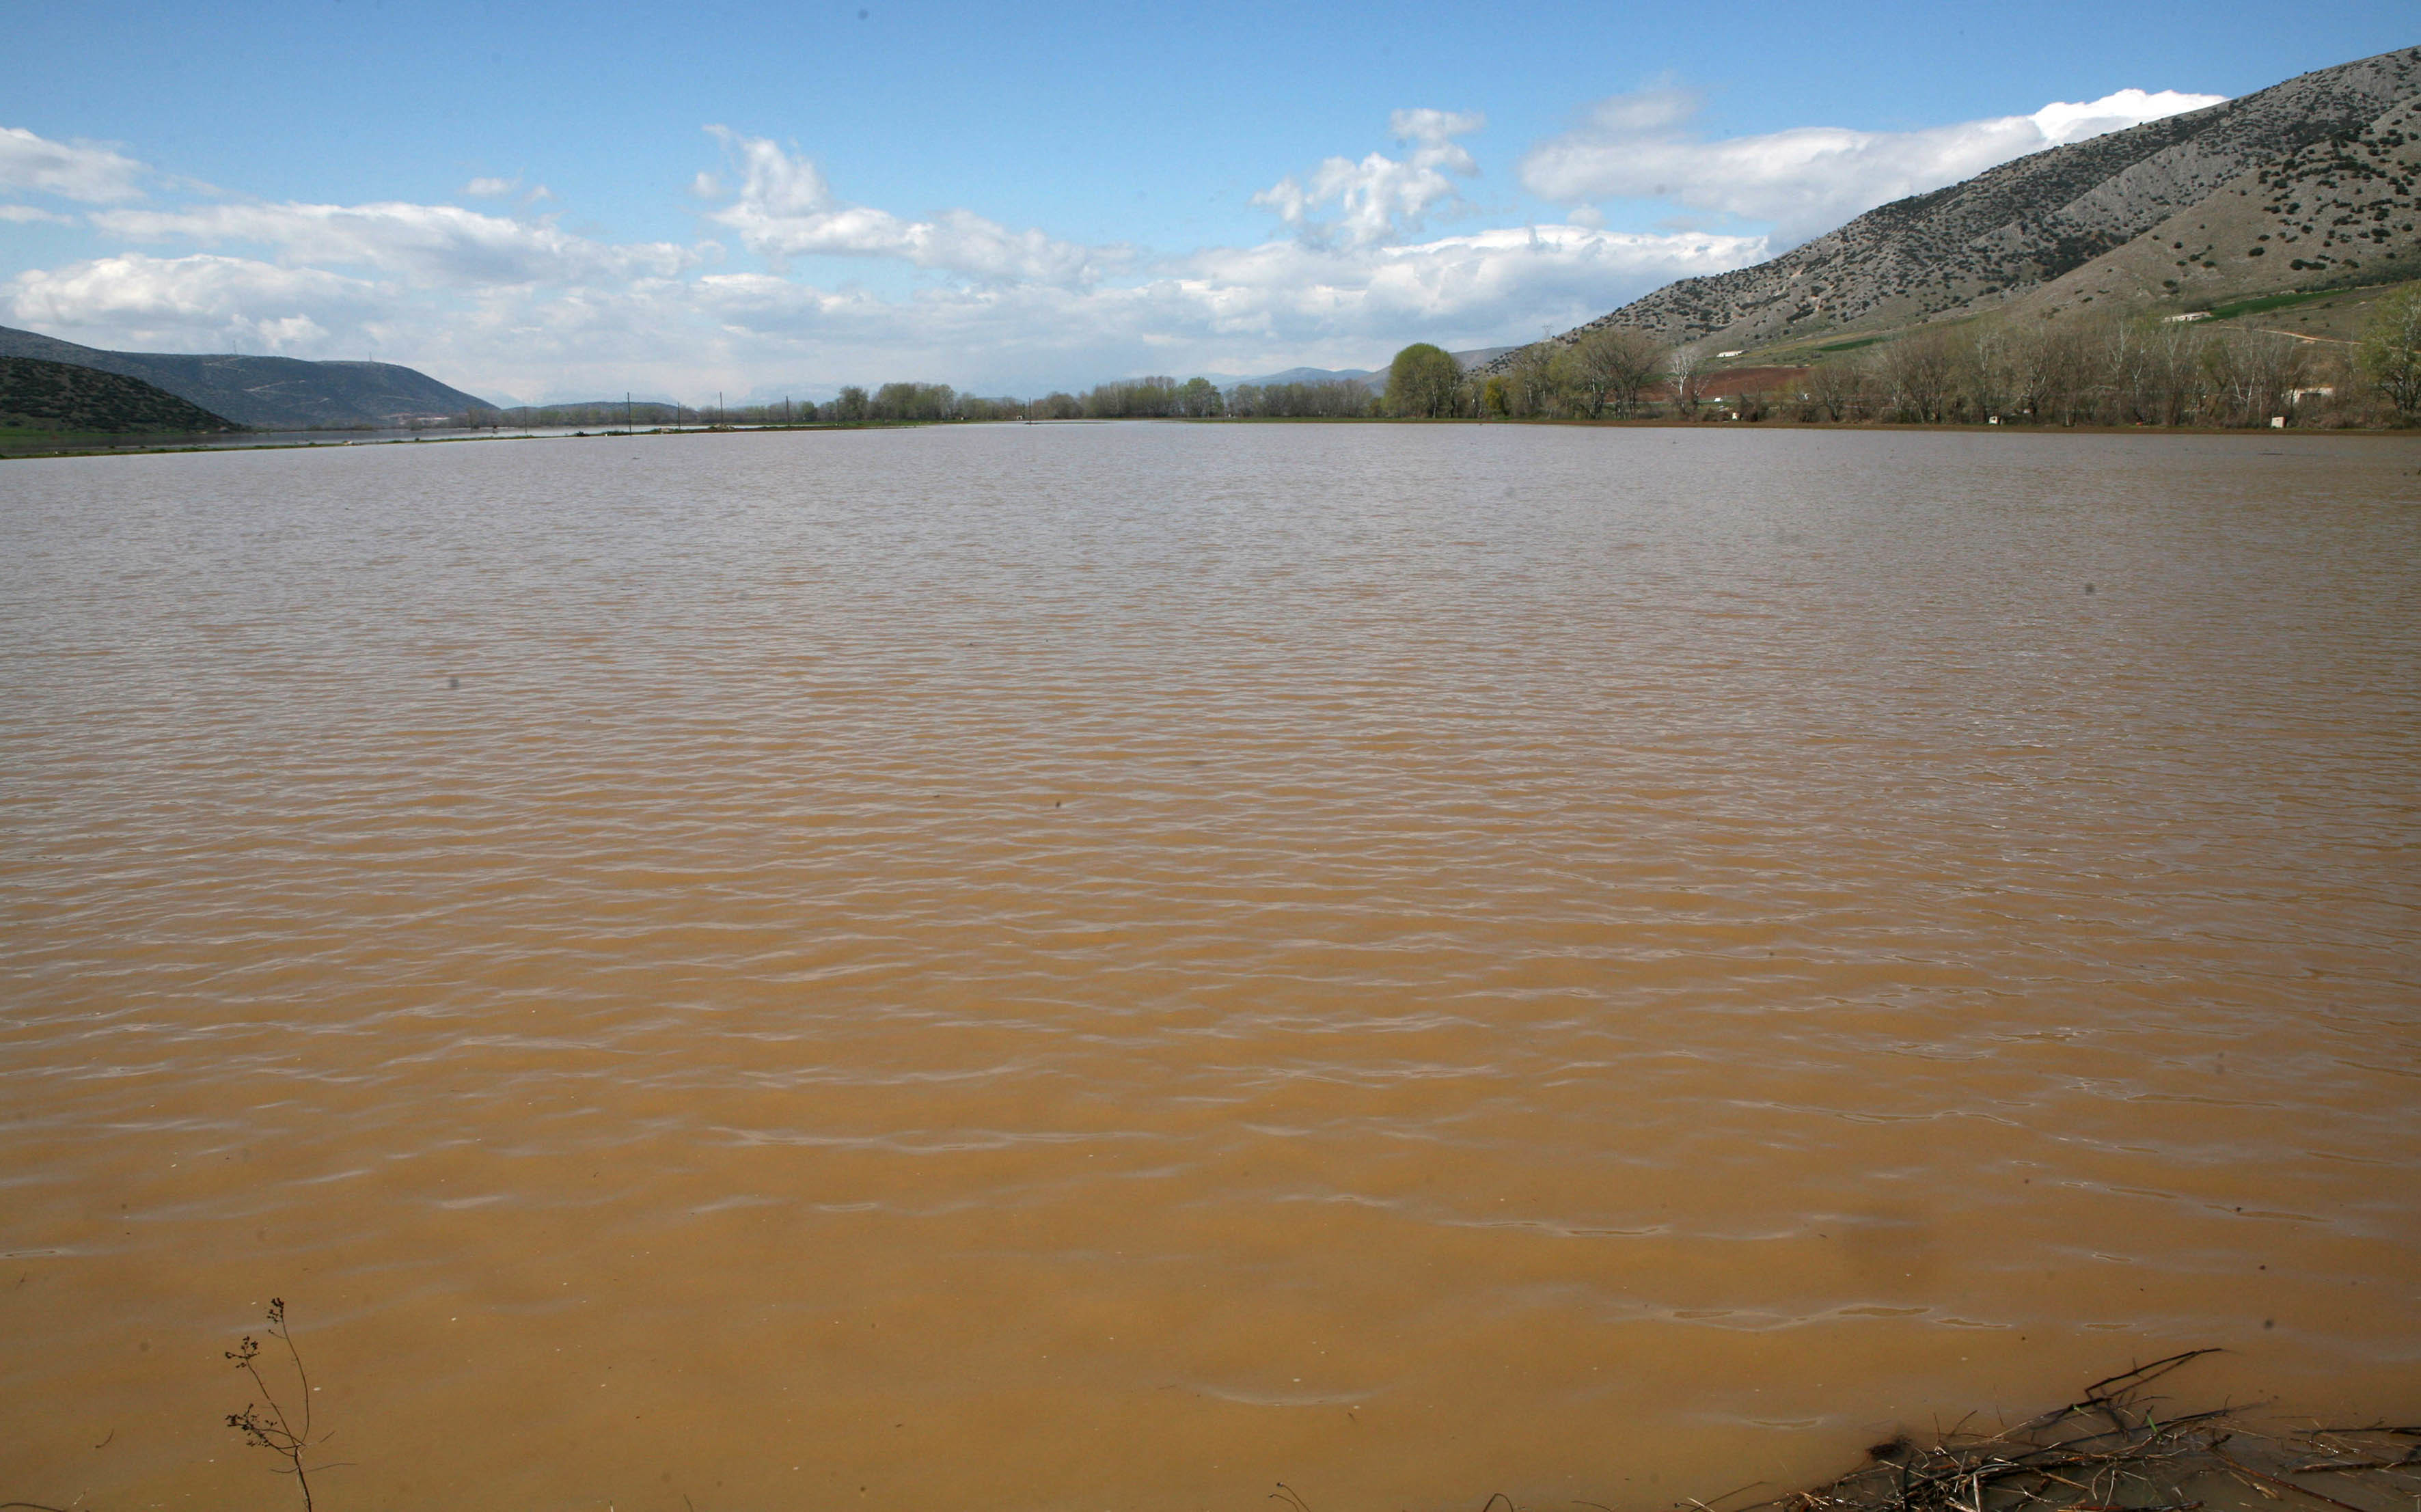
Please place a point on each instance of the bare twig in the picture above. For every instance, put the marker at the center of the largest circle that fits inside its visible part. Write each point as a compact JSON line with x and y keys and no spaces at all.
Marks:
{"x":2113,"y":1449}
{"x":274,"y":1431}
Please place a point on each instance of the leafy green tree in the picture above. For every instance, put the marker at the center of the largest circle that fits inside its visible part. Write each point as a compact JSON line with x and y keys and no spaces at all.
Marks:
{"x":2390,"y":353}
{"x":848,"y":406}
{"x":1422,"y":381}
{"x":1199,"y":399}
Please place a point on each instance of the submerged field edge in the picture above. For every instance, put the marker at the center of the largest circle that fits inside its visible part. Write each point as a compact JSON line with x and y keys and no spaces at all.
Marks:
{"x":1893,"y":426}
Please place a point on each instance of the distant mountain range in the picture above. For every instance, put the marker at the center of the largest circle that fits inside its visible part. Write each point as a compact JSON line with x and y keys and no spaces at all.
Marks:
{"x":1374,"y":379}
{"x":267,"y":393}
{"x":2309,"y":181}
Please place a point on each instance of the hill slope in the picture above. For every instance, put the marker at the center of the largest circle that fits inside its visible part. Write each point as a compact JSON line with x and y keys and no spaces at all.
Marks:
{"x":2028,"y":221}
{"x":270,"y":393}
{"x":2336,"y":212}
{"x":56,"y":395}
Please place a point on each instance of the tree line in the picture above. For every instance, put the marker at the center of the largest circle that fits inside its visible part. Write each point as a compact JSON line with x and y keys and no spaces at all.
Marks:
{"x":2110,"y":370}
{"x":892,"y":404}
{"x":1131,"y":398}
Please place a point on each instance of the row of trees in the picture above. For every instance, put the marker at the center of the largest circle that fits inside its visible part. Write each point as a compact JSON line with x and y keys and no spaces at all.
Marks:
{"x":2112,"y":370}
{"x":1199,"y":399}
{"x":2016,"y":370}
{"x":2119,"y":372}
{"x":851,"y":406}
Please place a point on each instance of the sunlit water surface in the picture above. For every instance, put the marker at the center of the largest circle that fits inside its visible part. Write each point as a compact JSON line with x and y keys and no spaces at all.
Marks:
{"x":1110,"y":967}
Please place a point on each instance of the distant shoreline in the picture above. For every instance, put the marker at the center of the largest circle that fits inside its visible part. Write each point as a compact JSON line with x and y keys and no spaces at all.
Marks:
{"x":154,"y":448}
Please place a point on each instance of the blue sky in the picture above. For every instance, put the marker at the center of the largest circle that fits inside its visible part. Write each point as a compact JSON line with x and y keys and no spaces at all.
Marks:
{"x":557,"y":201}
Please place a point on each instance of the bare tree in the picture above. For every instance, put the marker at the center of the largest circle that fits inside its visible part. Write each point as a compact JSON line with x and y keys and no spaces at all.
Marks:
{"x":1612,"y":365}
{"x":2060,"y":372}
{"x":1685,"y":369}
{"x":1529,"y":385}
{"x":2167,"y":381}
{"x":2251,"y":374}
{"x":1841,"y":385}
{"x":1920,"y":369}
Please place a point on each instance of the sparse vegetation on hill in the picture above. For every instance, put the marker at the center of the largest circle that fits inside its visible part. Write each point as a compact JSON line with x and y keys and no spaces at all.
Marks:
{"x":268,"y":393}
{"x":60,"y":397}
{"x":2332,"y":214}
{"x":2326,"y":157}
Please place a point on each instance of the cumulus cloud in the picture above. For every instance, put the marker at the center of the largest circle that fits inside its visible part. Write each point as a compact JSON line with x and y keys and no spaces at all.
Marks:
{"x":85,"y":171}
{"x":1810,"y":179}
{"x":784,"y":209}
{"x":1233,"y":309}
{"x":179,"y":302}
{"x":1222,"y":309}
{"x":427,"y":243}
{"x":1485,"y":285}
{"x":516,"y":305}
{"x":1380,"y":198}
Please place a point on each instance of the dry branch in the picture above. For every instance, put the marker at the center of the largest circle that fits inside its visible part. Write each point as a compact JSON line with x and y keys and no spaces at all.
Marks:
{"x":2114,"y":1449}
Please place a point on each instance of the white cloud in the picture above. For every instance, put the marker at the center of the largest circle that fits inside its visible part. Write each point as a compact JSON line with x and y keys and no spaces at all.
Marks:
{"x":784,"y":209}
{"x":1225,"y":309}
{"x":1380,"y":198}
{"x":1485,"y":286}
{"x":517,"y":306}
{"x":491,"y":187}
{"x":1811,"y":178}
{"x":177,"y":302}
{"x":1234,"y":309}
{"x":85,"y":171}
{"x":28,"y":215}
{"x":428,"y":243}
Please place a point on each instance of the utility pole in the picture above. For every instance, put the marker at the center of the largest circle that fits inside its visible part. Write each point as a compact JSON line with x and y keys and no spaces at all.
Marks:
{"x":628,"y":428}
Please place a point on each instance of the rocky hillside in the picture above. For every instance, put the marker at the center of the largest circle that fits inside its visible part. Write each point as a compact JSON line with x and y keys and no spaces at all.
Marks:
{"x":2030,"y":222}
{"x":2340,"y":210}
{"x":57,"y":395}
{"x":268,"y":393}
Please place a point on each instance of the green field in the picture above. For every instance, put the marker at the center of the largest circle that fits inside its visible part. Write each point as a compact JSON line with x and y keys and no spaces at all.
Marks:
{"x":2263,"y":303}
{"x":48,"y":438}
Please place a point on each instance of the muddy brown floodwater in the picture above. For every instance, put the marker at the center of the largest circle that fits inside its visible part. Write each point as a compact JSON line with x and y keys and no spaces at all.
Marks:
{"x":1112,"y":966}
